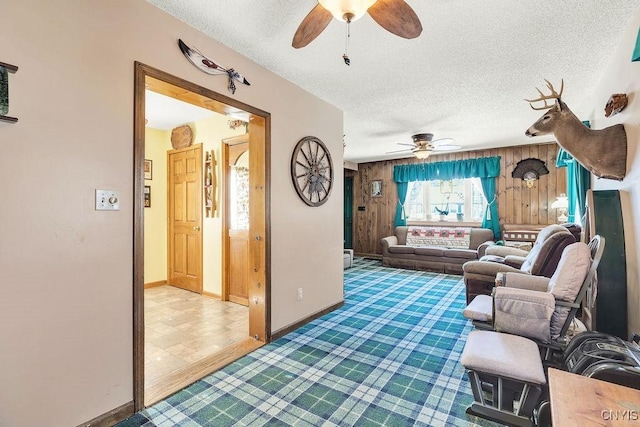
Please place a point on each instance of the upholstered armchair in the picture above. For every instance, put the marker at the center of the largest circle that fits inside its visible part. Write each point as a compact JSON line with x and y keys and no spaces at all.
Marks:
{"x":541,"y":260}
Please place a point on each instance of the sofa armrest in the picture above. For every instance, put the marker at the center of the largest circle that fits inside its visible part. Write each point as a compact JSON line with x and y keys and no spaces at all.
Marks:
{"x":514,"y":261}
{"x":482,"y":249}
{"x":504,"y":251}
{"x":486,"y":268}
{"x":523,"y":312}
{"x":386,"y":242}
{"x":526,"y":281}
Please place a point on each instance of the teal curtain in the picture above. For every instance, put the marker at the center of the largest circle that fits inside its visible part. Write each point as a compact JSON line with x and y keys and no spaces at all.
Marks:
{"x":636,"y":50}
{"x":582,"y":178}
{"x":485,"y":168}
{"x":490,"y":219}
{"x":578,"y":182}
{"x":401,"y":218}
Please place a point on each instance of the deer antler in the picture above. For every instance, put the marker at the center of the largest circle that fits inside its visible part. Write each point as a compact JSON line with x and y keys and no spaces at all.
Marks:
{"x":543,"y":97}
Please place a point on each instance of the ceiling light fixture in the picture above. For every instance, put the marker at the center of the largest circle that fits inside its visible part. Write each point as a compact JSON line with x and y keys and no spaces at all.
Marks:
{"x":347,"y":10}
{"x":422,"y":153}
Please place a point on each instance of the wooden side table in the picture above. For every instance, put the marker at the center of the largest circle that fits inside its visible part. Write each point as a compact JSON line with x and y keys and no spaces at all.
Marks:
{"x":582,"y":401}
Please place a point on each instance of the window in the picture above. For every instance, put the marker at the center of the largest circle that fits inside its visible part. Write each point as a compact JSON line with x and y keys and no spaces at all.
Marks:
{"x":452,"y":200}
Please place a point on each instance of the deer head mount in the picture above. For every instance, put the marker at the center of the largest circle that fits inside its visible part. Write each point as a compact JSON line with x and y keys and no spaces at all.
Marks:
{"x":603,"y":152}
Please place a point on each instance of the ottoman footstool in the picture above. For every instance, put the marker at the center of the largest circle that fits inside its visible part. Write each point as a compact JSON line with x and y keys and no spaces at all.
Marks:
{"x":506,"y":376}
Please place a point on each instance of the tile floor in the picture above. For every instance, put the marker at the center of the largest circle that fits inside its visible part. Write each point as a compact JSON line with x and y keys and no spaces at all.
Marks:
{"x":182,"y":327}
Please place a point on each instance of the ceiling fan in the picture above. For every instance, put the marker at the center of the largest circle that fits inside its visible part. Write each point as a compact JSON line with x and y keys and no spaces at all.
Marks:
{"x":395,"y":16}
{"x":424,"y":144}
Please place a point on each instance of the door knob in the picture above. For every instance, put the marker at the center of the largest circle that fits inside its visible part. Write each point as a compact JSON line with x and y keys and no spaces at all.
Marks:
{"x":196,"y":228}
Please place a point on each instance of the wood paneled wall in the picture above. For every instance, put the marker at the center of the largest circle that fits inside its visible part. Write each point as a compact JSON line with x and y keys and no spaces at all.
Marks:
{"x":517,"y":204}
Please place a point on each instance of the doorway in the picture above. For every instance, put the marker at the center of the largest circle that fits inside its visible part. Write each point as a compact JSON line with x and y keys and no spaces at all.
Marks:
{"x":348,"y":212}
{"x":258,"y":288}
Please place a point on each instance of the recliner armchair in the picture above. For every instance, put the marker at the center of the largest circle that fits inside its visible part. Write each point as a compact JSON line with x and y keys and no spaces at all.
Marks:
{"x":542,"y":260}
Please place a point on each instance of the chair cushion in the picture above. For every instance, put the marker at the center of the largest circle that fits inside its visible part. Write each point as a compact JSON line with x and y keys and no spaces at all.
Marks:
{"x":514,"y":261}
{"x":503,"y":355}
{"x":571,"y":272}
{"x":481,"y":309}
{"x":523,"y":312}
{"x":503,"y":251}
{"x":493,"y":258}
{"x":540,"y":248}
{"x":567,"y":280}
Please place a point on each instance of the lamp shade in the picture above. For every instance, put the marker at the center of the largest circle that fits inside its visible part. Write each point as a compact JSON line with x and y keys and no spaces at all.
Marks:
{"x":561,"y":202}
{"x":422,"y":153}
{"x":347,"y":9}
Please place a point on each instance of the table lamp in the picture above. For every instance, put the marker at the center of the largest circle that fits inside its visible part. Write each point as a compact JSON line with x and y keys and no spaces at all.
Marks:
{"x":562,"y":204}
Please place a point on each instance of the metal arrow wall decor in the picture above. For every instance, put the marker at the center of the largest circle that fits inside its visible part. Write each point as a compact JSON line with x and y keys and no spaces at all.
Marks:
{"x":210,"y":66}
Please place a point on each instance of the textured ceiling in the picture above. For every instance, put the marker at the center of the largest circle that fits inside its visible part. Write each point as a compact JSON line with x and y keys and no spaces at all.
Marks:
{"x":464,"y":78}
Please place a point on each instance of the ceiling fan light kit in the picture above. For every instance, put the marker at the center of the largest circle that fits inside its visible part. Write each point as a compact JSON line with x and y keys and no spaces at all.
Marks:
{"x":395,"y":16}
{"x":424,"y":144}
{"x":421,"y":153}
{"x":347,"y":10}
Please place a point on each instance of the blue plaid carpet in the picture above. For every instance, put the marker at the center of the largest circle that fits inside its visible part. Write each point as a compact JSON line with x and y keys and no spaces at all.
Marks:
{"x":389,"y":357}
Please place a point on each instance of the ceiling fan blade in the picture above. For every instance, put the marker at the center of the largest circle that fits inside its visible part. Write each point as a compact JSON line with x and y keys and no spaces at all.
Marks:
{"x":311,"y":26}
{"x":408,"y":150}
{"x":442,"y":141}
{"x":397,"y":17}
{"x":448,"y":147}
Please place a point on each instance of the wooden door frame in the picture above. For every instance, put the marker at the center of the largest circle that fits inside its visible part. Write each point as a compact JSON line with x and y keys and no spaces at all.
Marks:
{"x":260,"y":243}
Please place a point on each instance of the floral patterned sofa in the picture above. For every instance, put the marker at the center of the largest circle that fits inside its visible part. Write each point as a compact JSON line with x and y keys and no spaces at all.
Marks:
{"x":441,"y":249}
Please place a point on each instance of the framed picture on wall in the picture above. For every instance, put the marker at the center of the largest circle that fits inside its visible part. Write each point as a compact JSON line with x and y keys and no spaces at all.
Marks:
{"x":147,"y":196}
{"x":376,"y":188}
{"x":148,"y":169}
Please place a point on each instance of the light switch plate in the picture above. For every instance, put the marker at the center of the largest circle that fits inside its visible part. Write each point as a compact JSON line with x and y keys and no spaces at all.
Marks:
{"x":107,"y":200}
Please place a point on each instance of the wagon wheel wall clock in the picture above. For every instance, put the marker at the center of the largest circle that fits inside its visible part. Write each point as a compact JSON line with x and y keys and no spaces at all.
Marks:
{"x":312,"y":171}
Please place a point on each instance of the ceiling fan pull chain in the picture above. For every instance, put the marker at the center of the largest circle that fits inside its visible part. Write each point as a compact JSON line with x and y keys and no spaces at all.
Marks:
{"x":346,"y":44}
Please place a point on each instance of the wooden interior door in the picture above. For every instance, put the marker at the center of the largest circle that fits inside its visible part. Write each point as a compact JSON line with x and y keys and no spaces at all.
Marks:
{"x":237,"y":202}
{"x":239,"y":266}
{"x":185,"y":218}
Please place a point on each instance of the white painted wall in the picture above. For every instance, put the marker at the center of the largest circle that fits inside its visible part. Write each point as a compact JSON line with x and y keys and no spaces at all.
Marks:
{"x":66,"y":306}
{"x":623,"y":76}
